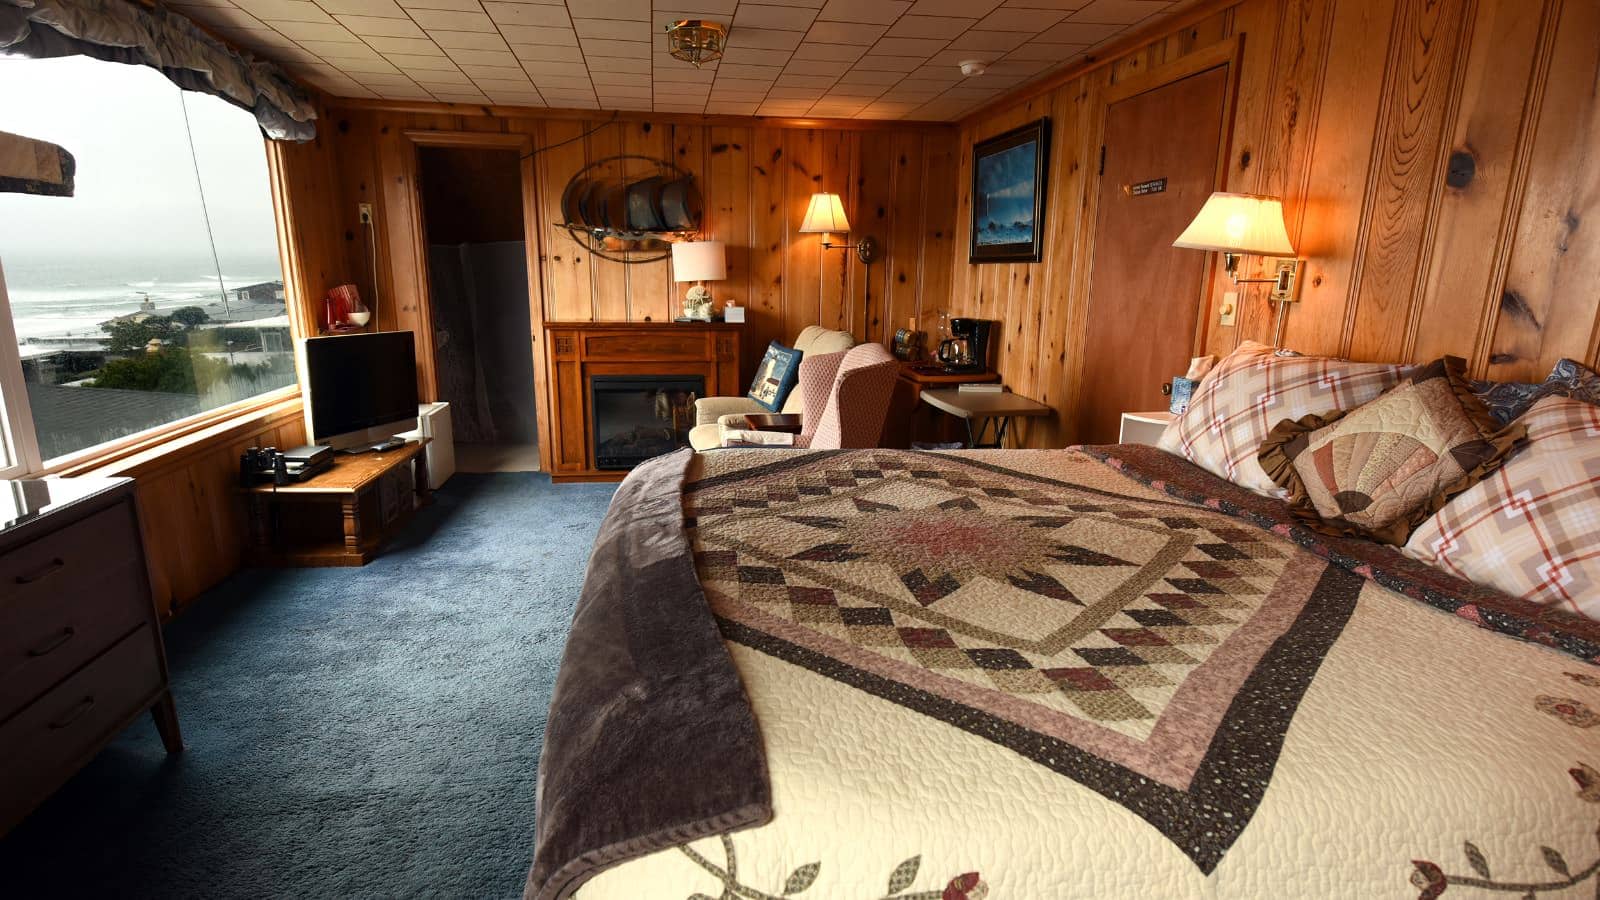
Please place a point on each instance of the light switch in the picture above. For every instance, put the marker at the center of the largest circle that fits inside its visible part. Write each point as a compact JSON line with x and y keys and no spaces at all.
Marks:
{"x":1230,"y":306}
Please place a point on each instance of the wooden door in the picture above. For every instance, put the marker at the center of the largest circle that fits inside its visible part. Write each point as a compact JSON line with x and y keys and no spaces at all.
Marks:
{"x":1160,"y":165}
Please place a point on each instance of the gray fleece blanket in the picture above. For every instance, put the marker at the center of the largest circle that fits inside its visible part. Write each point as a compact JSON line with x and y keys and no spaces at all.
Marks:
{"x":651,"y":742}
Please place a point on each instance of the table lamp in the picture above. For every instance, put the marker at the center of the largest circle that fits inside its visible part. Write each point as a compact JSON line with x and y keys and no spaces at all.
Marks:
{"x":699,"y":262}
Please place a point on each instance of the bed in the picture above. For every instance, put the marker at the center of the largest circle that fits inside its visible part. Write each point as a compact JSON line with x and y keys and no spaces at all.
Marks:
{"x":1095,"y":672}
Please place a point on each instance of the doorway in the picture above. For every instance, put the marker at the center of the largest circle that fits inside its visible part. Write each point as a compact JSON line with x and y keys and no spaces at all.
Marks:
{"x":473,"y":229}
{"x":1161,"y":150}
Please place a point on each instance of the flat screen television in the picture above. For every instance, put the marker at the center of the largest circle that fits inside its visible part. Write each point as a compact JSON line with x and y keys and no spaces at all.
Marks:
{"x":359,"y":388}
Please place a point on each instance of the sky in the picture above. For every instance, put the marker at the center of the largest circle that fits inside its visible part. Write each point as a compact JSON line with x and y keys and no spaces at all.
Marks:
{"x":136,"y":194}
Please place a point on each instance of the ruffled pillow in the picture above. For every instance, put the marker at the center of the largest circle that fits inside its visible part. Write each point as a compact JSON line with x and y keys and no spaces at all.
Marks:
{"x":1381,"y":469}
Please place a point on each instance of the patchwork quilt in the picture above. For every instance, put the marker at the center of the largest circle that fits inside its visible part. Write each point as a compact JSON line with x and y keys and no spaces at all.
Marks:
{"x":1037,"y":674}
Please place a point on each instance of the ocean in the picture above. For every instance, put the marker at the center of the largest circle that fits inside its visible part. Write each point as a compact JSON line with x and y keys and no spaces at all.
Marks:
{"x":73,"y":296}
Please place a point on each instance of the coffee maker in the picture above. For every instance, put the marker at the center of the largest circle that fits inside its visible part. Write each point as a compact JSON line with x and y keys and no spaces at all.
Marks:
{"x":967,"y":349}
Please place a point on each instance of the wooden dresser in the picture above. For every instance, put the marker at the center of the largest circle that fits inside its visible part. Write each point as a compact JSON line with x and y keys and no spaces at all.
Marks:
{"x":80,"y":646}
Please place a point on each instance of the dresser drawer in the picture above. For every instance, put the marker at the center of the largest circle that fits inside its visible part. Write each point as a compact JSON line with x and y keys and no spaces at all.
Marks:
{"x":43,"y":744}
{"x":65,"y":598}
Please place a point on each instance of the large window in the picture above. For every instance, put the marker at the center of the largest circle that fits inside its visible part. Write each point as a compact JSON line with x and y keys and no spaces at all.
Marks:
{"x":154,"y":293}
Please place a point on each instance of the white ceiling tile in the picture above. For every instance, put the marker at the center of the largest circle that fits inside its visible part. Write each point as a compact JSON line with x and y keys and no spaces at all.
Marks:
{"x":494,"y":73}
{"x":615,"y":9}
{"x":867,"y":76}
{"x":1030,"y":20}
{"x":482,"y":57}
{"x":537,"y":69}
{"x":414,"y":46}
{"x":326,"y":49}
{"x":373,"y":79}
{"x":788,"y":18}
{"x":743,"y":85}
{"x":1070,"y":32}
{"x":1064,"y":5}
{"x":613,"y":29}
{"x":832,"y":52}
{"x":548,"y":53}
{"x":740,"y":70}
{"x":1119,"y":12}
{"x":635,"y":91}
{"x":994,"y":42}
{"x":440,"y":79}
{"x":223,"y":16}
{"x":731,"y":108}
{"x":630,"y":65}
{"x":614,"y":48}
{"x":528,"y":14}
{"x":537,"y":34}
{"x":875,"y":63}
{"x":463,"y":5}
{"x":942,"y":27}
{"x":301,"y":32}
{"x":452,"y":20}
{"x":1023,"y":67}
{"x":604,"y":79}
{"x":845,"y":33}
{"x":282,"y":48}
{"x":367,"y":66}
{"x":378,"y":26}
{"x":794,"y":93}
{"x":468,"y":40}
{"x":1045,"y":52}
{"x":961,"y":8}
{"x":516,"y":98}
{"x":362,"y":8}
{"x":407,"y":62}
{"x":812,"y":82}
{"x":753,"y":56}
{"x":853,"y":93}
{"x":765,"y":39}
{"x":285,"y":10}
{"x":812,"y":4}
{"x":816,"y":67}
{"x":873,"y":12}
{"x":458,"y":96}
{"x":895,"y":46}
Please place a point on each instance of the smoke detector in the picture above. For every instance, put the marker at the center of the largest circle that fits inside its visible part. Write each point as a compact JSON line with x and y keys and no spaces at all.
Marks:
{"x":971,"y":67}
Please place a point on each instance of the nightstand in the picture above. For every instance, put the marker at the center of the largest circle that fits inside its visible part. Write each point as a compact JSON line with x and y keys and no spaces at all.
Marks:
{"x":1144,"y":427}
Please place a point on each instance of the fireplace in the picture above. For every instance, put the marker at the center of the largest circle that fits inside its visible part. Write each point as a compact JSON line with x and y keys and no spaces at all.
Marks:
{"x":637,"y":417}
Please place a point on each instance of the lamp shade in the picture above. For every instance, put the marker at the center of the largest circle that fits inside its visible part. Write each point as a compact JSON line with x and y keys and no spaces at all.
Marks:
{"x":1239,"y":223}
{"x":825,"y":215}
{"x":699,"y":261}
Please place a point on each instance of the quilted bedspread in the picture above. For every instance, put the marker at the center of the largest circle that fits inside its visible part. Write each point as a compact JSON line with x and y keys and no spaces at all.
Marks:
{"x":1034,"y":674}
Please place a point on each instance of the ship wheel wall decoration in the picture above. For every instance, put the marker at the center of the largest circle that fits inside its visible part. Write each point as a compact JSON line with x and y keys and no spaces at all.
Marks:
{"x":634,"y":219}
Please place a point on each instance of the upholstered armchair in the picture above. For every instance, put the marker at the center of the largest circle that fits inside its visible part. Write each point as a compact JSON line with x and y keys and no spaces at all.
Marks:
{"x":846,"y":397}
{"x":713,"y":414}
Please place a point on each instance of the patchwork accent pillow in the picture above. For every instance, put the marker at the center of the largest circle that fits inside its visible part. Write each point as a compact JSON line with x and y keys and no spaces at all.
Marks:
{"x":1532,"y":529}
{"x":776,"y":375}
{"x":1381,"y":469}
{"x":1254,"y":388}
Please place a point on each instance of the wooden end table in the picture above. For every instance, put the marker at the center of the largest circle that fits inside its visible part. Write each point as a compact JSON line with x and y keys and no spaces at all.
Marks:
{"x":783,"y":423}
{"x":342,"y":516}
{"x":987,"y":410}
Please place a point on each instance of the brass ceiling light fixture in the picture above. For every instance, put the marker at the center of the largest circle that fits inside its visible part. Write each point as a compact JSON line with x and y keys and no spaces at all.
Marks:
{"x":696,"y":41}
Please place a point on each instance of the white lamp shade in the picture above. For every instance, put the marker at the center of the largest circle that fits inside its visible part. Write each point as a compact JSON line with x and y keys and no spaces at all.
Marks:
{"x":1239,"y":223}
{"x":825,"y":215}
{"x":699,"y":261}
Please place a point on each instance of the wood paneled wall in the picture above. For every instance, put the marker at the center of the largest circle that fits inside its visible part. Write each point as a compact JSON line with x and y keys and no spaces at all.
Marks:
{"x":1352,"y":111}
{"x":756,"y":179}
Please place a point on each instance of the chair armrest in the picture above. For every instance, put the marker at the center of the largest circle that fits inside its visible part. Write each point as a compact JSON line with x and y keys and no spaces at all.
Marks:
{"x":707,"y":410}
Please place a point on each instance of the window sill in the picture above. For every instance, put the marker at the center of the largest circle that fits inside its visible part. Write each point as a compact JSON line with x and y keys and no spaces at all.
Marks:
{"x":148,"y":450}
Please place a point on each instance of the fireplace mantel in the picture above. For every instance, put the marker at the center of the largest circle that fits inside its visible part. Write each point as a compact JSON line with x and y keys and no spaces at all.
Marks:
{"x":576,"y":351}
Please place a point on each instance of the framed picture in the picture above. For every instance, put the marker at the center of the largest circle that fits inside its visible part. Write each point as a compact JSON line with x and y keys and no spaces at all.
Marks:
{"x":1008,"y":191}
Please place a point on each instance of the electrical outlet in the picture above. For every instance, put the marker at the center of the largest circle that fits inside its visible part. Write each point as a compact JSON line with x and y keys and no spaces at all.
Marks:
{"x":366,"y":213}
{"x":1230,"y":308}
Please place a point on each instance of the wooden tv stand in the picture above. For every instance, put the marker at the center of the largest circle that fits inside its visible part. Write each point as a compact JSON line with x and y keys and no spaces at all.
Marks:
{"x":342,"y":516}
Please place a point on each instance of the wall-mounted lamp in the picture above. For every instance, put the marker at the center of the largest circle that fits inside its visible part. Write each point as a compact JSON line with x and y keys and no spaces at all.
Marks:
{"x":824,"y":216}
{"x":1235,"y":224}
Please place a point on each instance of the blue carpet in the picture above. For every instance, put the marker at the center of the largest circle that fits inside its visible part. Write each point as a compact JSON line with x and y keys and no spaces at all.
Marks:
{"x":351,"y":732}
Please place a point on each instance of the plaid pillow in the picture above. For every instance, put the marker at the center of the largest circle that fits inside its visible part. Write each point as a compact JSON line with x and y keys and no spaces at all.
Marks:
{"x":1252,"y":390}
{"x":1532,"y":529}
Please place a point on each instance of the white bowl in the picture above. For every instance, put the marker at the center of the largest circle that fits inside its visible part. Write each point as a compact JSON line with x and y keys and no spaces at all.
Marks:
{"x":360,"y":319}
